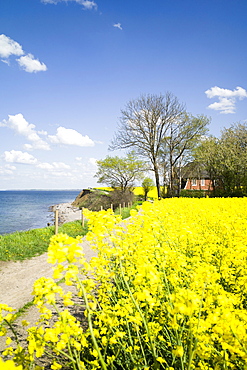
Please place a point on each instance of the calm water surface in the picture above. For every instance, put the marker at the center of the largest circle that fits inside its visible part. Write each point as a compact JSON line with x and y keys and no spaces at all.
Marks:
{"x":29,"y":209}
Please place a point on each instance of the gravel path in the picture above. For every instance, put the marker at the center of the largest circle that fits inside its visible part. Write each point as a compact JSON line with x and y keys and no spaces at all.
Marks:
{"x":17,"y":278}
{"x":67,"y":212}
{"x":16,"y":286}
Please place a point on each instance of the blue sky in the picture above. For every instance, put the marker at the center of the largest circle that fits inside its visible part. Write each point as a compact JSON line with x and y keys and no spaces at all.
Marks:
{"x":67,"y":68}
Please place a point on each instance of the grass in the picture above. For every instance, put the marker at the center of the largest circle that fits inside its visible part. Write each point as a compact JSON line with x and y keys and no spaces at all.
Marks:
{"x":23,"y":245}
{"x":125,"y":211}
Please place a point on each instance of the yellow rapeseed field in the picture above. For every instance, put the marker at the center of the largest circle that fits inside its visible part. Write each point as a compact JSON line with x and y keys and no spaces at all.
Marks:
{"x":138,"y":190}
{"x":168,"y":290}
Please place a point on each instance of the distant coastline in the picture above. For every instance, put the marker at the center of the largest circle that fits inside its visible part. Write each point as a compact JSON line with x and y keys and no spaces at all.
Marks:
{"x":40,"y":190}
{"x":30,"y":209}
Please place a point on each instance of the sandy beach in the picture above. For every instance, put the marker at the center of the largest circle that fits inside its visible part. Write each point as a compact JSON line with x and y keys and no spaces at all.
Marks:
{"x":67,"y":212}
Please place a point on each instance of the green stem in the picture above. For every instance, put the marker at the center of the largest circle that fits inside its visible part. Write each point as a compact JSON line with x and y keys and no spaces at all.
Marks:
{"x":13,"y":330}
{"x":140,"y":312}
{"x":62,"y":353}
{"x":143,"y":354}
{"x":103,"y":364}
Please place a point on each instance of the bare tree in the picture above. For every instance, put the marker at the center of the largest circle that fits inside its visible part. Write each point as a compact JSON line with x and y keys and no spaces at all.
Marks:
{"x":143,"y":126}
{"x":182,"y":135}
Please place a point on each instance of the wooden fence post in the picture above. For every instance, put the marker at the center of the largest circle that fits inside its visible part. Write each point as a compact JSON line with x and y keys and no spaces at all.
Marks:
{"x":120,"y":209}
{"x":101,"y":208}
{"x":111,"y":206}
{"x":56,"y":221}
{"x":82,"y":217}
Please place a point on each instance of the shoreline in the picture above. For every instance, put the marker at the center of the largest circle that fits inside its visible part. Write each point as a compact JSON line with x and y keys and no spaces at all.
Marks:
{"x":28,"y":210}
{"x":66,"y":212}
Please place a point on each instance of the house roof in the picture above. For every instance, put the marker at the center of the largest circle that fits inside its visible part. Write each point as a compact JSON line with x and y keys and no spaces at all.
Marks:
{"x":194,"y":170}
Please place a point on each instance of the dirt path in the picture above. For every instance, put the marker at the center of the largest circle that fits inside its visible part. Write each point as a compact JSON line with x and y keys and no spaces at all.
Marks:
{"x":17,"y":278}
{"x":16,"y":285}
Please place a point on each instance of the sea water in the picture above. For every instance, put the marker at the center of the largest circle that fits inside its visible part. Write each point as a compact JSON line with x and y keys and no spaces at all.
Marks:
{"x":30,"y":209}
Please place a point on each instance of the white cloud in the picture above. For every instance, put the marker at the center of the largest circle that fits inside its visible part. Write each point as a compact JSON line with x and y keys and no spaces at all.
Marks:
{"x":85,"y":3}
{"x":59,"y":165}
{"x":16,"y":156}
{"x":31,"y":65}
{"x":41,"y":144}
{"x":10,"y":167}
{"x":239,"y":92}
{"x":61,"y":174}
{"x":5,"y":171}
{"x":118,"y":25}
{"x":27,"y":62}
{"x":45,"y":166}
{"x":5,"y":61}
{"x":28,"y":147}
{"x":78,"y":158}
{"x":93,"y":161}
{"x":19,"y":124}
{"x":70,"y":137}
{"x":227,"y":98}
{"x":224,"y":105}
{"x":9,"y":47}
{"x":42,"y":132}
{"x":53,"y":166}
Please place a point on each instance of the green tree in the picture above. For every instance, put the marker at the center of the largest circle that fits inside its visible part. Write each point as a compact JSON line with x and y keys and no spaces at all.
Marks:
{"x":225,"y":160}
{"x":120,"y":173}
{"x":206,"y":158}
{"x":147,"y":185}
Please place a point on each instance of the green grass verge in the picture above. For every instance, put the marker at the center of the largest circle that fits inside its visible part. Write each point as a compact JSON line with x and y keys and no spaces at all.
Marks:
{"x":23,"y":245}
{"x":125,"y":211}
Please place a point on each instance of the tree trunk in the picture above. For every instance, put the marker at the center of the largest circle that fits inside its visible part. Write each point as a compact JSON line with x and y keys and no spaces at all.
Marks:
{"x":171,"y":175}
{"x":157,"y":179}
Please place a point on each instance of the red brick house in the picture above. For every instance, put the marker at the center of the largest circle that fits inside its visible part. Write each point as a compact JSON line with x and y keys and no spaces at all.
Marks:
{"x":194,"y":178}
{"x":198,"y":184}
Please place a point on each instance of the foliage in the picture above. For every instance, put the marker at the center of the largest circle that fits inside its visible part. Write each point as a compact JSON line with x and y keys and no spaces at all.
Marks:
{"x":192,"y":193}
{"x":97,"y":200}
{"x":147,"y":185}
{"x":23,"y":245}
{"x":117,"y":197}
{"x":167,"y":291}
{"x":225,"y":160}
{"x":120,"y":172}
{"x":126,"y":211}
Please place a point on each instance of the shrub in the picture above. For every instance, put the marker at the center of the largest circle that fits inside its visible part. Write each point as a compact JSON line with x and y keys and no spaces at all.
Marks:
{"x":192,"y":193}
